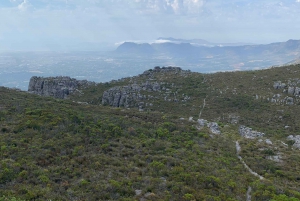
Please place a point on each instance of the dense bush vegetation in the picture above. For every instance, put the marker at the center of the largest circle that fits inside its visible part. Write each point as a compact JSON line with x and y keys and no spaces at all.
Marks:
{"x":61,"y":150}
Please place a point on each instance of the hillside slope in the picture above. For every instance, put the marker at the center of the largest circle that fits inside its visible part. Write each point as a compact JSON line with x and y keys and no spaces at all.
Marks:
{"x":176,"y":135}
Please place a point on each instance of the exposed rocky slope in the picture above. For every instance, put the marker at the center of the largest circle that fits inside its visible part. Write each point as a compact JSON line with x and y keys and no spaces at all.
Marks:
{"x":140,"y":93}
{"x":57,"y":87}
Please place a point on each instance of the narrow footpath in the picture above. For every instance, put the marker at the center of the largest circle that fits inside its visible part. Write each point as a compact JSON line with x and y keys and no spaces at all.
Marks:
{"x":238,"y":150}
{"x":202,"y":108}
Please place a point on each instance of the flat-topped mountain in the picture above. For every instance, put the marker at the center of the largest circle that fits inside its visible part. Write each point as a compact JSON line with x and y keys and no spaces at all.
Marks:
{"x":134,"y":48}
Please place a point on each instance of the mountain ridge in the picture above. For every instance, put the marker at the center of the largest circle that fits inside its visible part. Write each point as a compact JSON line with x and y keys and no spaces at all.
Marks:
{"x":138,"y":48}
{"x":247,"y":57}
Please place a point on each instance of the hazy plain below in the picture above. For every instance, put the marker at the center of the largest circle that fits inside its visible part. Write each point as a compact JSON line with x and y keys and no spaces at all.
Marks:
{"x":16,"y":68}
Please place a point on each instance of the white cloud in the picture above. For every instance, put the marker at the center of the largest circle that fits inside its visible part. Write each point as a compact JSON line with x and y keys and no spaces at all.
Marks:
{"x":24,"y":5}
{"x":171,"y":6}
{"x":178,"y":7}
{"x":139,"y":20}
{"x":187,"y":6}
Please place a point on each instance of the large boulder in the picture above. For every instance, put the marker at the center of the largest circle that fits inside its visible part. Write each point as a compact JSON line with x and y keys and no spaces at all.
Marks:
{"x":297,"y":91}
{"x":214,"y":128}
{"x":289,"y":100}
{"x":279,"y":85}
{"x":291,"y":90}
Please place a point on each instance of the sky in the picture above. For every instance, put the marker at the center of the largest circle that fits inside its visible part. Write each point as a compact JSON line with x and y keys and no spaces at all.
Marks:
{"x":99,"y":24}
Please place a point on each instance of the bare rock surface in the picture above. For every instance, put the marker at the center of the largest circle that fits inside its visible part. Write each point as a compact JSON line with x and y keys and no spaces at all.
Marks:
{"x":296,"y":140}
{"x":290,"y":92}
{"x":132,"y":95}
{"x":57,"y":87}
{"x":129,"y":95}
{"x":249,"y":133}
{"x":213,"y":126}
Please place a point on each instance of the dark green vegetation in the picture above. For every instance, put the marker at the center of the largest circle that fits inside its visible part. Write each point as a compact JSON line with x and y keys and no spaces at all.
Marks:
{"x":62,"y":150}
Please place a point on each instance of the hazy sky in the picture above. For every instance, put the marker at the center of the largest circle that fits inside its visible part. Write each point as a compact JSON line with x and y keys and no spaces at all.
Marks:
{"x":67,"y":24}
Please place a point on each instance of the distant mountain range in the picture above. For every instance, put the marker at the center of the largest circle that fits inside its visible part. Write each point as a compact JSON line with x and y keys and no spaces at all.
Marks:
{"x":184,"y":52}
{"x":184,"y":48}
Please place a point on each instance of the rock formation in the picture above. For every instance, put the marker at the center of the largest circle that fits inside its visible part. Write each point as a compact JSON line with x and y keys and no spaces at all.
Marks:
{"x":128,"y":96}
{"x":279,"y":85}
{"x":213,"y":126}
{"x":169,"y":69}
{"x":249,"y":133}
{"x":57,"y":87}
{"x":132,"y":95}
{"x":296,"y":140}
{"x":292,"y":89}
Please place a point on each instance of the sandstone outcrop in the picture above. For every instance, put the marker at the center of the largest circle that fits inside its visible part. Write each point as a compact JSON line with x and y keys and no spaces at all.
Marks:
{"x":296,"y":140}
{"x":57,"y":87}
{"x":129,"y":96}
{"x":292,"y":89}
{"x":247,"y":132}
{"x":213,"y":126}
{"x":134,"y":94}
{"x":279,"y":85}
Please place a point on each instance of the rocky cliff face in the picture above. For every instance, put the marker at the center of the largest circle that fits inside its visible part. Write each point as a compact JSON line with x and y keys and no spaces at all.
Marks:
{"x":129,"y":96}
{"x":57,"y":87}
{"x":141,"y":94}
